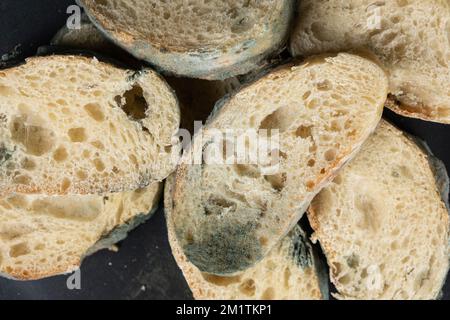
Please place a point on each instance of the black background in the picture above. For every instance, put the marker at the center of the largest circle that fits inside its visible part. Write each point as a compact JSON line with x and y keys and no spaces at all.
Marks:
{"x":144,"y":267}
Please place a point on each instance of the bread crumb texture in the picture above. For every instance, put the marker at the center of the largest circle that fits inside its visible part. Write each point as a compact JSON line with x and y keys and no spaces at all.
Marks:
{"x":287,"y":272}
{"x":410,"y":37}
{"x":45,"y":236}
{"x":382,"y":223}
{"x":228,"y":217}
{"x":71,"y":125}
{"x":211,"y":39}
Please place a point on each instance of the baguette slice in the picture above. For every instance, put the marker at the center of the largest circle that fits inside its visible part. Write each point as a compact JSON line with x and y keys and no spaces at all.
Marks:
{"x":212,"y":40}
{"x":291,"y":271}
{"x":382,"y":223}
{"x":46,"y":236}
{"x":228,"y":217}
{"x":411,"y":38}
{"x":73,"y":125}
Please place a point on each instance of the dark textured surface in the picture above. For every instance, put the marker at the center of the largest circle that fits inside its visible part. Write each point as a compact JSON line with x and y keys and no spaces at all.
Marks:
{"x":144,"y":267}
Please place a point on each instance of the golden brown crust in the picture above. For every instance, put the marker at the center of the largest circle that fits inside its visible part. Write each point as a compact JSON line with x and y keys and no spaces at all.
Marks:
{"x":422,"y":113}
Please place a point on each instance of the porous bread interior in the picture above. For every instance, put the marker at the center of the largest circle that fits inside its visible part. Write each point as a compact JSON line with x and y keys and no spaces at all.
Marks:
{"x":382,"y":223}
{"x":46,"y":236}
{"x":227,"y":217}
{"x":188,"y":25}
{"x":411,"y":38}
{"x":73,"y":125}
{"x":279,"y":276}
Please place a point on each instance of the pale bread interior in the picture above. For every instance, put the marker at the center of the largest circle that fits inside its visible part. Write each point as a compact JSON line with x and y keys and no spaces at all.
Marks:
{"x":74,"y":125}
{"x":46,"y":236}
{"x":287,"y":273}
{"x":228,"y":217}
{"x":382,"y":223}
{"x":188,"y":25}
{"x":410,"y":37}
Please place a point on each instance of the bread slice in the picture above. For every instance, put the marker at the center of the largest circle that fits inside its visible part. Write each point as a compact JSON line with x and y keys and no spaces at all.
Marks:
{"x":212,"y":40}
{"x":382,"y":223}
{"x":45,"y":236}
{"x":291,"y":271}
{"x":410,"y":37}
{"x":74,"y":125}
{"x":228,"y":217}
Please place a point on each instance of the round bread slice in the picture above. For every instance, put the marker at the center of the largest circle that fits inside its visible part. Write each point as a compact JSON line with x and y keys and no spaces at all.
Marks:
{"x":213,"y":40}
{"x":73,"y":125}
{"x":411,"y":38}
{"x":383,"y":224}
{"x":47,"y":236}
{"x":227,"y":217}
{"x":291,"y":271}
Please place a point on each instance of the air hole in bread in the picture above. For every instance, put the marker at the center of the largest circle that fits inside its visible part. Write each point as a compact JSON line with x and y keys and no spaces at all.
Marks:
{"x":17,"y":201}
{"x":19,"y":250}
{"x":269,"y":294}
{"x":99,"y":165}
{"x":37,"y":140}
{"x":133,"y":103}
{"x":338,"y":180}
{"x":330,"y":155}
{"x":134,"y":160}
{"x":95,"y":111}
{"x":324,"y":85}
{"x":352,"y":261}
{"x":98,"y":145}
{"x":248,"y":287}
{"x":22,"y":179}
{"x":65,"y":185}
{"x":27,"y":164}
{"x":77,"y":134}
{"x":61,"y":102}
{"x":287,"y":277}
{"x":86,"y":154}
{"x":250,"y":171}
{"x":281,"y":119}
{"x":68,"y":207}
{"x":369,"y":214}
{"x":263,"y":241}
{"x":221,"y":281}
{"x":304,"y":132}
{"x":344,"y":280}
{"x":6,"y":91}
{"x":39,"y":247}
{"x":312,"y":104}
{"x":219,"y":205}
{"x":60,"y":154}
{"x":310,"y":185}
{"x":277,"y":181}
